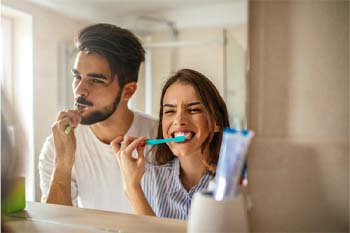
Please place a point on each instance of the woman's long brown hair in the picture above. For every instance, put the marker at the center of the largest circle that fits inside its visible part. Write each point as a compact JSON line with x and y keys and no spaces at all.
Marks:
{"x":215,"y":107}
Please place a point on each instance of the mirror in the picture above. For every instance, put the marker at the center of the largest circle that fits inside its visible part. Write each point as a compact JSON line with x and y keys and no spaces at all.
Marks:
{"x":206,"y":35}
{"x":210,"y":37}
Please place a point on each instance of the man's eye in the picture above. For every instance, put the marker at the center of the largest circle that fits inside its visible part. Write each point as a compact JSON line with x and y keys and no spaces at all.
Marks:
{"x":77,"y":77}
{"x":97,"y":81}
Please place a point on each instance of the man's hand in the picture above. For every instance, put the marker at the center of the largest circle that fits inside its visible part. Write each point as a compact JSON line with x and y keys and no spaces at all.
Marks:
{"x":65,"y":144}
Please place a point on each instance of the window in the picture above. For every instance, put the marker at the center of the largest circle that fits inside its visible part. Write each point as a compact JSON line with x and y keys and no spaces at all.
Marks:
{"x":17,"y":90}
{"x":7,"y":57}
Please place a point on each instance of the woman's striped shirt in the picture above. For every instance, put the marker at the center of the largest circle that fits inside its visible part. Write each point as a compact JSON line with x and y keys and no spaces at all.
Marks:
{"x":165,"y":193}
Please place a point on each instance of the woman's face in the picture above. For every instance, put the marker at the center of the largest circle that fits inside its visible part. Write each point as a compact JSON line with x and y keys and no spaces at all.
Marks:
{"x":184,"y":114}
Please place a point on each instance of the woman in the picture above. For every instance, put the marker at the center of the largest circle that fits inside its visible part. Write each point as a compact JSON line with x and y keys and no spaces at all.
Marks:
{"x":190,"y":106}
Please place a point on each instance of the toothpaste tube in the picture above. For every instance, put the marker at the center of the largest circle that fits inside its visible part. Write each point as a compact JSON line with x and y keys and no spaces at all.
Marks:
{"x":233,"y":150}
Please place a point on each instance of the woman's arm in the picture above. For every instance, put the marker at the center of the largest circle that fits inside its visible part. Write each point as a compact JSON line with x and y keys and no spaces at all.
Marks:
{"x":138,"y":201}
{"x":132,"y":170}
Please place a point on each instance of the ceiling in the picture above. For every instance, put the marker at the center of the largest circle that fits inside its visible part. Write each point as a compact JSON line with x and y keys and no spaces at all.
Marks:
{"x":126,"y":12}
{"x":119,"y":8}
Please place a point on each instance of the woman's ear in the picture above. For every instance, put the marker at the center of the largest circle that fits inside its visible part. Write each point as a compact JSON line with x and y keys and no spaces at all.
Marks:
{"x":217,"y":128}
{"x":129,"y":90}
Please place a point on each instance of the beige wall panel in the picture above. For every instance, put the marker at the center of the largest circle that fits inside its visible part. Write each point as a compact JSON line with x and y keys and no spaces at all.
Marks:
{"x":299,"y":109}
{"x":299,"y":186}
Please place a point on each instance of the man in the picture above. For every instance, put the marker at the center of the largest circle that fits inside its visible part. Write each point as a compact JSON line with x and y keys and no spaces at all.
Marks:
{"x":77,"y":165}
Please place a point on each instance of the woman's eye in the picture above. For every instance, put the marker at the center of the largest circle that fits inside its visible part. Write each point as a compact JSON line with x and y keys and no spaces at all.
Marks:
{"x":168,"y":111}
{"x":194,"y":110}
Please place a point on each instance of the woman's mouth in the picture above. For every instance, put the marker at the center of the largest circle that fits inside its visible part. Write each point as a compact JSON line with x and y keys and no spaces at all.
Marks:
{"x":188,"y":135}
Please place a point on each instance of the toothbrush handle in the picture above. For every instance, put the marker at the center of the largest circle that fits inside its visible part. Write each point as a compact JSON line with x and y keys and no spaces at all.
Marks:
{"x":156,"y":141}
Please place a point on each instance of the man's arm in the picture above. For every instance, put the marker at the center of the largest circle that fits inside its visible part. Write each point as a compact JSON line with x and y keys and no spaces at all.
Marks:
{"x":64,"y":145}
{"x":60,"y":186}
{"x":55,"y":185}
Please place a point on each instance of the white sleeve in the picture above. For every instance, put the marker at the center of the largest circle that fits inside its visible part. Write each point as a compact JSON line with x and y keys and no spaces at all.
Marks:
{"x":153,"y":130}
{"x":46,"y":162}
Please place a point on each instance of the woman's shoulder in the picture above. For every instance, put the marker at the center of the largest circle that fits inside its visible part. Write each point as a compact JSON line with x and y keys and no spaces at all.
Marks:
{"x":155,"y":165}
{"x":160,"y":169}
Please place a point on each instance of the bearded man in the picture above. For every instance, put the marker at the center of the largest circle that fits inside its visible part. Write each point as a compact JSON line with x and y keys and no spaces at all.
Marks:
{"x":77,"y":165}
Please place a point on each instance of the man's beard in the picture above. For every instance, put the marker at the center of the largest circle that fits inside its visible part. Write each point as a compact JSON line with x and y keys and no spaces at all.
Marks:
{"x":98,"y":116}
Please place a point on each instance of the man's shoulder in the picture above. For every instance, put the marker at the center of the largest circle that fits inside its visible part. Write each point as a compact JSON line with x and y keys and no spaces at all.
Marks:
{"x":48,"y":144}
{"x":144,"y":125}
{"x":47,"y":151}
{"x":145,"y":117}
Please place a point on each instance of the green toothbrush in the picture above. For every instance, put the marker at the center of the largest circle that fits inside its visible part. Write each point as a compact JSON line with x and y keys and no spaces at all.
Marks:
{"x":67,"y":129}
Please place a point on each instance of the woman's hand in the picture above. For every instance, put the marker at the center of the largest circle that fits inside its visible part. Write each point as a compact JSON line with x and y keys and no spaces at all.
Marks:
{"x":132,"y":168}
{"x":132,"y":171}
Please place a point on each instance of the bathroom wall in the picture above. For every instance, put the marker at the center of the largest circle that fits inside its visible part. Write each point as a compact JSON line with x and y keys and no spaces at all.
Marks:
{"x":299,"y":109}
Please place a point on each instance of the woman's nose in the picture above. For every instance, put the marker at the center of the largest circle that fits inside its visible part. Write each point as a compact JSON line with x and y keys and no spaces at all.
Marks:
{"x":180,"y":118}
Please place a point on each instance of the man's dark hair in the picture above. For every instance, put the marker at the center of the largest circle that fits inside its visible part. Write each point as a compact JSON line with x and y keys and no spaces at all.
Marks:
{"x":119,"y":46}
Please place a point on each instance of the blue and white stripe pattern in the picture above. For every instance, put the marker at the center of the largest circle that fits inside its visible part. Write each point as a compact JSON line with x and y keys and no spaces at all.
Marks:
{"x":165,"y":193}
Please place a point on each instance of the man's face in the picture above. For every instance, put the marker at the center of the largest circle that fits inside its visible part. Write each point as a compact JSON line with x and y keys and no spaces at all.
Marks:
{"x":96,"y":93}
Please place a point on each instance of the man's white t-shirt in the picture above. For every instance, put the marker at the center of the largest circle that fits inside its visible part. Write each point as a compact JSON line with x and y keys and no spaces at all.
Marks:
{"x":96,"y":178}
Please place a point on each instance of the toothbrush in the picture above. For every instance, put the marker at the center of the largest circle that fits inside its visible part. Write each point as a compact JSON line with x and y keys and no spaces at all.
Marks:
{"x":165,"y":140}
{"x":68,"y":128}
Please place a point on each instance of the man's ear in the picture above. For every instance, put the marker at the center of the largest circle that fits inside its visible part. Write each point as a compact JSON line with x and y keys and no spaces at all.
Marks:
{"x":129,"y":90}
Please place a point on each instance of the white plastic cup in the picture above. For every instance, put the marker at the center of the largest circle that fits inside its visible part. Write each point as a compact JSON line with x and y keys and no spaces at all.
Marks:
{"x":214,"y":216}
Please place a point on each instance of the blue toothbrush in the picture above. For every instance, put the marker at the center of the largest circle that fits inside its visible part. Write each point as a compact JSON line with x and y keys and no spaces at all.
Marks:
{"x":165,"y":140}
